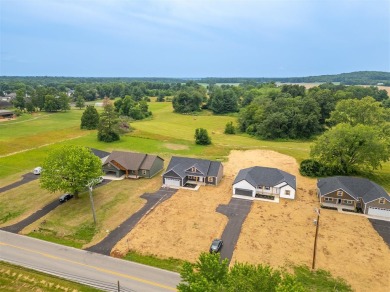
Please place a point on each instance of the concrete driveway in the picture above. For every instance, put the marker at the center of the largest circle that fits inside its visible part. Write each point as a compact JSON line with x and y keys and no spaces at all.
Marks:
{"x":237,"y":210}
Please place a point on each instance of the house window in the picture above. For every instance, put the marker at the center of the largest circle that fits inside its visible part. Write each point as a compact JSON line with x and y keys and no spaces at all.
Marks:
{"x":328,"y":199}
{"x":267,"y":188}
{"x":348,"y":202}
{"x":193,"y":169}
{"x":381,"y":200}
{"x":287,"y":192}
{"x":340,"y":193}
{"x":210,"y":179}
{"x":144,"y":172}
{"x":260,"y":187}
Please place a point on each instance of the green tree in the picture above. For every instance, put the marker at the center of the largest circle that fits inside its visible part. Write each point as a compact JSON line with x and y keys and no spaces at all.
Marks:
{"x":366,"y":111}
{"x":346,"y":149}
{"x":80,"y":102}
{"x":108,"y":125}
{"x":187,"y":101}
{"x":63,"y":102}
{"x":223,"y":101}
{"x":230,"y":128}
{"x":19,"y":100}
{"x":69,"y":169}
{"x":90,"y":118}
{"x":51,"y":103}
{"x":202,"y":137}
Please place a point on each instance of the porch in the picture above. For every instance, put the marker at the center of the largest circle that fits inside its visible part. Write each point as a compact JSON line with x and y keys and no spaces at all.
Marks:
{"x":339,"y":207}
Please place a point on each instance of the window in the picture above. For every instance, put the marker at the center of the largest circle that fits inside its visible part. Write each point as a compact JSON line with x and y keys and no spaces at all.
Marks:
{"x":210,"y":179}
{"x":381,"y":200}
{"x":328,"y":199}
{"x":348,"y":202}
{"x":260,"y":187}
{"x":144,"y":172}
{"x":267,"y":188}
{"x":287,"y":192}
{"x":339,"y":193}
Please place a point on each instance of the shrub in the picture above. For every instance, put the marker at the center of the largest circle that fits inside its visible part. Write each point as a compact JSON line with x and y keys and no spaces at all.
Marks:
{"x":313,"y":168}
{"x":202,"y":137}
{"x":230,"y":128}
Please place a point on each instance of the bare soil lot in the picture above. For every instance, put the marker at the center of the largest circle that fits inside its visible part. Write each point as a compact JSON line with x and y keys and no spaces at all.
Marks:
{"x":277,"y":234}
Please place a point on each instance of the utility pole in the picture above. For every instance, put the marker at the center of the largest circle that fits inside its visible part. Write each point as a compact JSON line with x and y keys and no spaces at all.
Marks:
{"x":91,"y":199}
{"x":315,"y":237}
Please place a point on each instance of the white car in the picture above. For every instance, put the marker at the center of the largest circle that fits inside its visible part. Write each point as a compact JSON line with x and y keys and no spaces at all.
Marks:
{"x":37,"y":170}
{"x":99,"y":180}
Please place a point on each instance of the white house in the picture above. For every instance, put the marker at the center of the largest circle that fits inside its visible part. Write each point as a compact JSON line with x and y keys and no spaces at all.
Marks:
{"x":264,"y":183}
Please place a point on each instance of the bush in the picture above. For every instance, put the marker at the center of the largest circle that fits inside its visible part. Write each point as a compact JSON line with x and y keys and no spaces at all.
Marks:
{"x":230,"y":128}
{"x":313,"y":168}
{"x":202,"y":137}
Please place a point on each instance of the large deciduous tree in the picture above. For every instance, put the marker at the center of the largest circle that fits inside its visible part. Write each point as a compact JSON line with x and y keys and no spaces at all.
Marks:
{"x":108,"y":125}
{"x":70,"y":169}
{"x":223,"y":101}
{"x":90,"y":118}
{"x":347,"y":149}
{"x":187,"y":101}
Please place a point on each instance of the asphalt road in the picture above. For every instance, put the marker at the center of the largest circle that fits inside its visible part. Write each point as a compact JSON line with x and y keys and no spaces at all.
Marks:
{"x":236,"y":211}
{"x":105,"y":246}
{"x":383,"y":228}
{"x":25,"y":179}
{"x":86,"y":267}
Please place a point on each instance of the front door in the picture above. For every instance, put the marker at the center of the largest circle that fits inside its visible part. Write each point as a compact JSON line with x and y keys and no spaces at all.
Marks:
{"x":338,"y":201}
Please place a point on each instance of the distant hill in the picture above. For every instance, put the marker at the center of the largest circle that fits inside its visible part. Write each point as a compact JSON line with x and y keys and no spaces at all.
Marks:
{"x":353,"y":78}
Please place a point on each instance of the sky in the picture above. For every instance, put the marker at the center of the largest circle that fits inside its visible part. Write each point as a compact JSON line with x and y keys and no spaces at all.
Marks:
{"x":193,"y":38}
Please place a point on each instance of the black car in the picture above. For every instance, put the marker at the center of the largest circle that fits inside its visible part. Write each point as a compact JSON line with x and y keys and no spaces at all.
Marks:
{"x":65,"y":197}
{"x":216,"y":245}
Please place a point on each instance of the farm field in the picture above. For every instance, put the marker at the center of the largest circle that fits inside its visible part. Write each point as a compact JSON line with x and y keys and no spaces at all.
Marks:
{"x":278,"y":234}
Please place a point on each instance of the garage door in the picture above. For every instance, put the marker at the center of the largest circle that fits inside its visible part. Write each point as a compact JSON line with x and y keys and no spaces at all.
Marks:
{"x":379,"y":212}
{"x":243,"y":192}
{"x":172,"y":182}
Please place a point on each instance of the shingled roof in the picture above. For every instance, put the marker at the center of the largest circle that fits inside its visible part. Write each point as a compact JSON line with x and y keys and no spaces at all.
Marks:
{"x":180,"y":164}
{"x":357,"y":187}
{"x":132,"y":160}
{"x":265,"y":176}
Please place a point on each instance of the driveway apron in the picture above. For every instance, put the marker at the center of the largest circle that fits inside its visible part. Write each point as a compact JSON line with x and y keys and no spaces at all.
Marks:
{"x":105,"y":246}
{"x":236,"y":211}
{"x":383,"y":228}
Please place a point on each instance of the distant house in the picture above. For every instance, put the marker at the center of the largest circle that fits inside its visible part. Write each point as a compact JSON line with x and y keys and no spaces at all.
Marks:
{"x":4,"y":114}
{"x":354,"y":193}
{"x":132,"y":164}
{"x":183,"y":170}
{"x":264,"y":183}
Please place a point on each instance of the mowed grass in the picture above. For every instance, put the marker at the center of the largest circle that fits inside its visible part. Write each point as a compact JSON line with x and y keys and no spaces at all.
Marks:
{"x":72,"y":222}
{"x":154,"y":135}
{"x":16,"y":278}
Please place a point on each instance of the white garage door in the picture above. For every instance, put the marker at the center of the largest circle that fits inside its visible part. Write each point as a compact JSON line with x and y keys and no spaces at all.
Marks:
{"x":379,"y":212}
{"x":172,"y":182}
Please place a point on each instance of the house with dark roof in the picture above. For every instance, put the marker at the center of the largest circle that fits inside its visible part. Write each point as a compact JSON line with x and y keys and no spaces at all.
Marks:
{"x":4,"y":114}
{"x":101,"y":154}
{"x":354,"y":193}
{"x":264,"y":183}
{"x":183,"y":170}
{"x":132,"y":164}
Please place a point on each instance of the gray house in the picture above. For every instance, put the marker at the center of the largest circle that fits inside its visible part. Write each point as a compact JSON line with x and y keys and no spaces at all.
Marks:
{"x":264,"y":183}
{"x":354,"y":193}
{"x":132,"y":164}
{"x":182,"y":170}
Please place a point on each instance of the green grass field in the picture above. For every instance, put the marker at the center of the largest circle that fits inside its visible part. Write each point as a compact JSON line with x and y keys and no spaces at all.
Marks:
{"x":34,"y":136}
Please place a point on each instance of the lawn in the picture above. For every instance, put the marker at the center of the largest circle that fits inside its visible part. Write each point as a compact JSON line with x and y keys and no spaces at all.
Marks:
{"x":15,"y":278}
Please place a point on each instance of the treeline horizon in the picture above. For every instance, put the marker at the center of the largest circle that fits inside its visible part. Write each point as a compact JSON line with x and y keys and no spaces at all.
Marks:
{"x":353,"y":78}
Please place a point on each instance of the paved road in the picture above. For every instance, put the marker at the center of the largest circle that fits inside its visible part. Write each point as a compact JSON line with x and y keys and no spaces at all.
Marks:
{"x":17,"y":227}
{"x":25,"y":179}
{"x":105,"y":246}
{"x":236,"y":211}
{"x":97,"y":270}
{"x":383,"y":228}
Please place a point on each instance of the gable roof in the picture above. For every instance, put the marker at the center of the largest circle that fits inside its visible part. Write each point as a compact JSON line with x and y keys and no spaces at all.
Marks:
{"x":99,"y":153}
{"x":265,"y":176}
{"x":132,"y":160}
{"x":180,"y":164}
{"x":355,"y":186}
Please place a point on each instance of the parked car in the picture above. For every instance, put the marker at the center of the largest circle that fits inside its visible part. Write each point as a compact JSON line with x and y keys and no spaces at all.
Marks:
{"x":37,"y":170}
{"x":216,"y":245}
{"x":65,"y":197}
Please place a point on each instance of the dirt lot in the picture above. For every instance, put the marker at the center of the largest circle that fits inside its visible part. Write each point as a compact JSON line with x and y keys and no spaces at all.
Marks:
{"x":276,"y":234}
